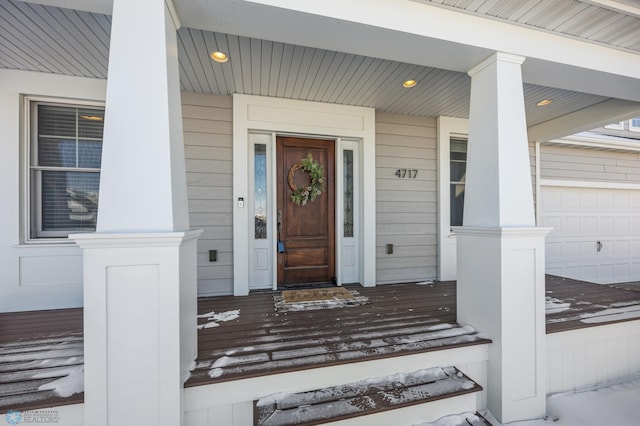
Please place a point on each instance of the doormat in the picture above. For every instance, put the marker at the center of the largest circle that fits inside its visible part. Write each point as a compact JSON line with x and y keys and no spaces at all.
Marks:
{"x":318,"y":298}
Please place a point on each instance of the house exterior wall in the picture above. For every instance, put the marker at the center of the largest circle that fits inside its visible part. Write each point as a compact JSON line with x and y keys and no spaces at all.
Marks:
{"x":406,"y":208}
{"x":33,"y":275}
{"x":39,"y":276}
{"x":207,"y":123}
{"x":584,"y":164}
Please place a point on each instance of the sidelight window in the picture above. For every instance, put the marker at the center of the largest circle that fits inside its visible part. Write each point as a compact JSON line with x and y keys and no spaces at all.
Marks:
{"x":458,"y":171}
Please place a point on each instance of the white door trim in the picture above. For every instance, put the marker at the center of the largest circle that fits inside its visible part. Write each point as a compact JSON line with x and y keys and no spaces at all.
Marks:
{"x":275,"y":115}
{"x":448,"y":127}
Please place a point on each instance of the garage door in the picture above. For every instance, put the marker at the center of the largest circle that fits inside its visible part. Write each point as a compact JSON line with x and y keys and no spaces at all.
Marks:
{"x":596,"y":235}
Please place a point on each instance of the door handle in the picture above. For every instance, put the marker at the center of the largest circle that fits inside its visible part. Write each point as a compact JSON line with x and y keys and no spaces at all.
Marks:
{"x":598,"y":246}
{"x":280,"y":244}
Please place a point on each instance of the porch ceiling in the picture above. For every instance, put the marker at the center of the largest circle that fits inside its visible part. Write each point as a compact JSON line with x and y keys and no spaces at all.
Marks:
{"x":50,"y":39}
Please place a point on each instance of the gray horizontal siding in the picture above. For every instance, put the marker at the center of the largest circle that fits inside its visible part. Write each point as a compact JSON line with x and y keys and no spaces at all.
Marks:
{"x":207,"y":122}
{"x":585,"y":164}
{"x":406,"y":209}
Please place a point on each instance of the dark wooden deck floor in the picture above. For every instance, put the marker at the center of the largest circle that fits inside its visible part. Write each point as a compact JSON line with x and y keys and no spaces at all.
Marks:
{"x":400,"y":319}
{"x":39,"y":347}
{"x":573,"y":304}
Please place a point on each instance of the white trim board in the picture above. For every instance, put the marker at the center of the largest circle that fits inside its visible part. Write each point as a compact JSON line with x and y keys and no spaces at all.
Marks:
{"x":278,"y":116}
{"x":589,"y":184}
{"x":596,"y":143}
{"x":448,"y":127}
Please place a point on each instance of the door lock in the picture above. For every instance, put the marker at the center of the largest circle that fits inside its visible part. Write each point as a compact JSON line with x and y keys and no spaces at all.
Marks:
{"x":598,"y":246}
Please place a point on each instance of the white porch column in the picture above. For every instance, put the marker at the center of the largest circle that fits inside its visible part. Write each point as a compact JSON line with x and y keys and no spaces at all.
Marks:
{"x":500,"y":251}
{"x":140,"y":266}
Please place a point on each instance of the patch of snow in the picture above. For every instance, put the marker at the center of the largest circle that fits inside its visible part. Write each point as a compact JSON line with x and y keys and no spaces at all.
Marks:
{"x":623,"y":304}
{"x":65,"y":386}
{"x":612,"y":403}
{"x":208,"y":325}
{"x":216,"y":318}
{"x":554,"y":306}
{"x":41,"y":355}
{"x":375,"y":341}
{"x":425,"y":283}
{"x":443,"y":326}
{"x":215,"y":373}
{"x":226,"y":361}
{"x":612,"y":314}
{"x":463,"y":419}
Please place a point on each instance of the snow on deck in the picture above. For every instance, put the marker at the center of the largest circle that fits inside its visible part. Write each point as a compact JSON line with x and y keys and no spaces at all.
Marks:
{"x":572,"y":304}
{"x":400,"y":319}
{"x":363,"y":397}
{"x":41,"y":373}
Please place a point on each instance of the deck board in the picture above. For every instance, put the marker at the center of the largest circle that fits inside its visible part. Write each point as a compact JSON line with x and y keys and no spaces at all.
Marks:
{"x":289,"y":341}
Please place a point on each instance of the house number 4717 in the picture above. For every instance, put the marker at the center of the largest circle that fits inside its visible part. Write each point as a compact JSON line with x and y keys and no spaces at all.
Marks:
{"x":407,"y":173}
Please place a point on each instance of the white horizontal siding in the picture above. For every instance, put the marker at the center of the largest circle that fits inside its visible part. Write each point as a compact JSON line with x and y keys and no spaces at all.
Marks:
{"x":207,"y":122}
{"x":570,"y":163}
{"x":406,"y":212}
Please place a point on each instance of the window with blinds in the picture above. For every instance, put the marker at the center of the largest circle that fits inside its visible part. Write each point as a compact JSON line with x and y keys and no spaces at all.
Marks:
{"x":65,"y":156}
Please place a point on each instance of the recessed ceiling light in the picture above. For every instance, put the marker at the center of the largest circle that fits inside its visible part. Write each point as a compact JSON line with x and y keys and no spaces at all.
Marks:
{"x":544,"y":102}
{"x":92,"y":117}
{"x":219,"y":56}
{"x":409,"y":83}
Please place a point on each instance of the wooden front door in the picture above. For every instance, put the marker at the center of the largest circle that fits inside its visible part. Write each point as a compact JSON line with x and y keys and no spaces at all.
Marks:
{"x":306,"y":231}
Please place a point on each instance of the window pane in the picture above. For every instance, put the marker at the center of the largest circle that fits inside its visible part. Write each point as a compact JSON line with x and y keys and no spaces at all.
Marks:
{"x":458,"y":171}
{"x":56,"y":121}
{"x":90,"y":123}
{"x":260,"y":196}
{"x":348,"y":193}
{"x":459,"y":156}
{"x":89,"y":154}
{"x":56,"y":152}
{"x":69,"y":200}
{"x":457,"y":204}
{"x":458,"y":145}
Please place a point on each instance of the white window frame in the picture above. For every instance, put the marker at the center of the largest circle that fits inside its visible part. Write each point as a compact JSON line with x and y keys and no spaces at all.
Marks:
{"x":31,"y":191}
{"x":633,"y":128}
{"x":448,"y":128}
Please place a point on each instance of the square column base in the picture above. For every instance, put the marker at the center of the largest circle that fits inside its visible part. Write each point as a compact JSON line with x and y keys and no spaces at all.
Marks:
{"x":140,"y":335}
{"x":501,"y":293}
